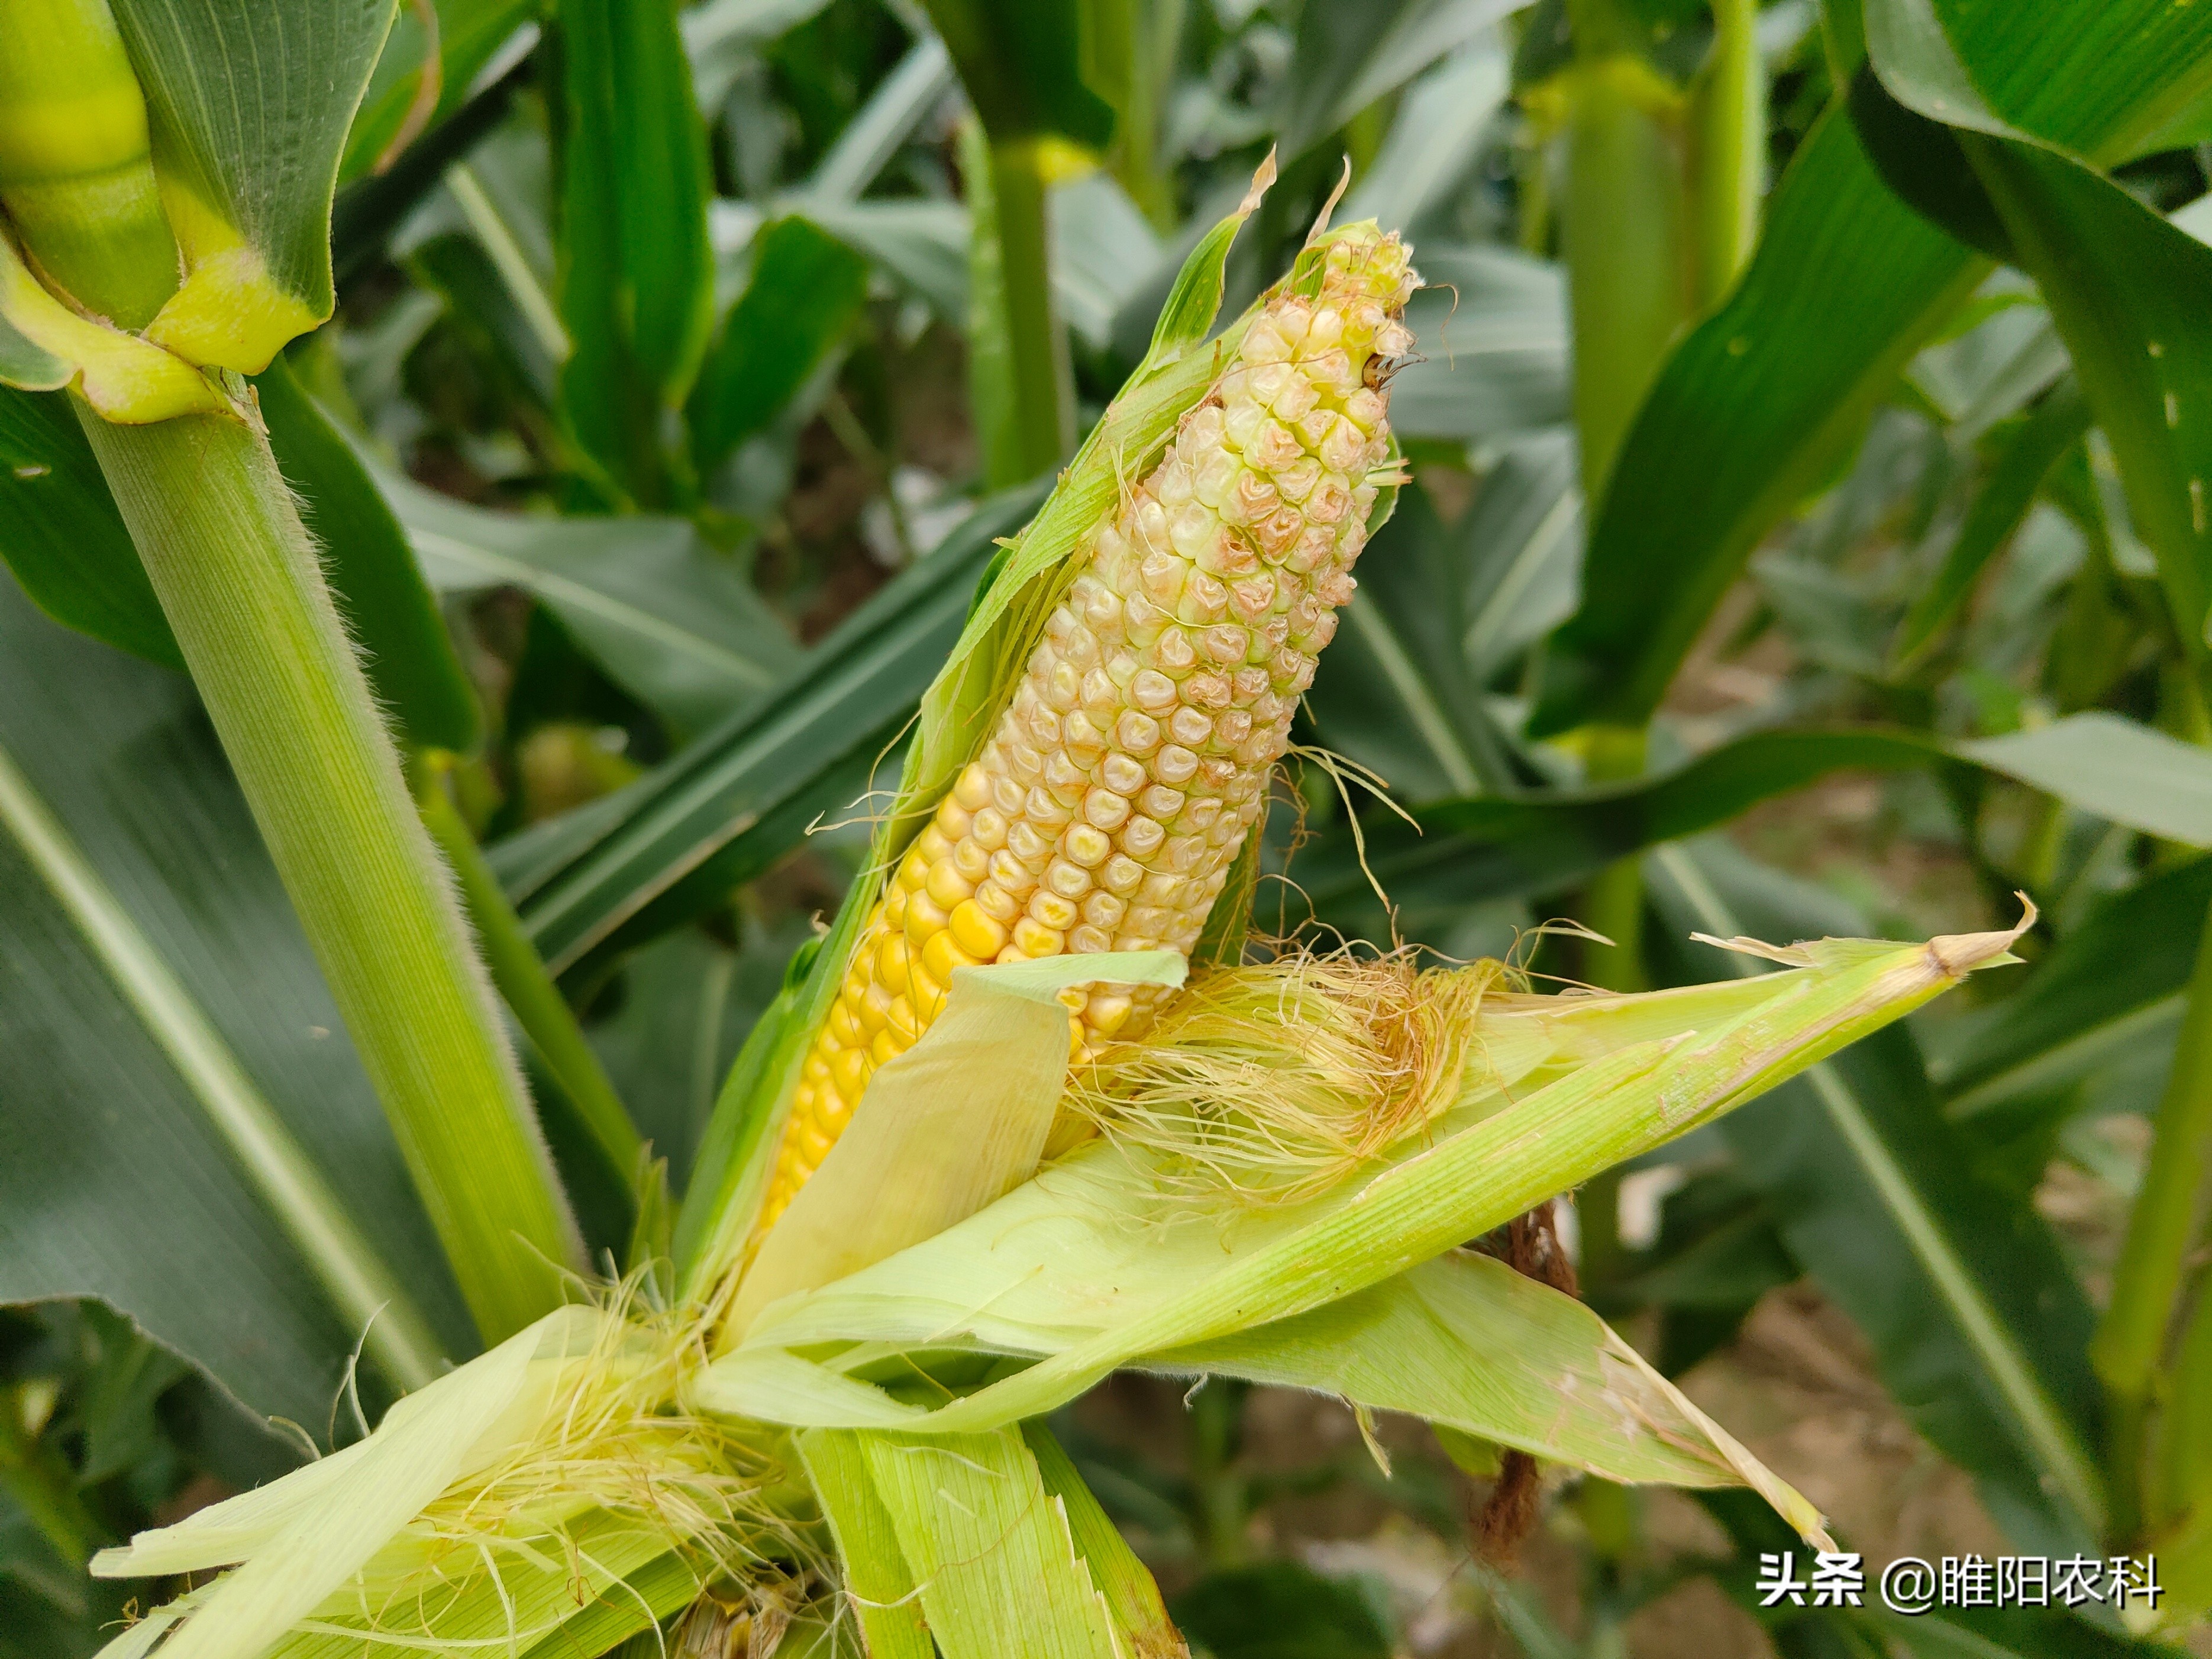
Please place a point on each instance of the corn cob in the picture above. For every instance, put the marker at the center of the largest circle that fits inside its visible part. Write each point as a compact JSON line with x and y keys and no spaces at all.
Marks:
{"x":1115,"y":792}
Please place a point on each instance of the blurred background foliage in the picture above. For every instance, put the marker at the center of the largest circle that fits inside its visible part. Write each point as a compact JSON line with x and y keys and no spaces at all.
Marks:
{"x":1806,"y":537}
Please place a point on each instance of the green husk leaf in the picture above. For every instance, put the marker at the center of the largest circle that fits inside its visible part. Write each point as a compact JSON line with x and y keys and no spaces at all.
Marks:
{"x":877,"y":1580}
{"x":303,"y":1537}
{"x":986,"y":1078}
{"x":986,"y":1543}
{"x":1077,"y":1265}
{"x":1141,"y":1617}
{"x":1479,"y":1349}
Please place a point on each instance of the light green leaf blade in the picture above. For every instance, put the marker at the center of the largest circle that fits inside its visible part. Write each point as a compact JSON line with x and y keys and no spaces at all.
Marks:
{"x":991,"y":1550}
{"x":1465,"y":1341}
{"x":2121,"y":770}
{"x":249,"y":108}
{"x":878,"y":1581}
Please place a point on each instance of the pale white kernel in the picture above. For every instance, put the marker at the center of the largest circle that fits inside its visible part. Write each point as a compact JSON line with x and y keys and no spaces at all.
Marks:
{"x":1123,"y":773}
{"x":1105,"y":809}
{"x":1138,"y":734}
{"x":1161,"y":802}
{"x":1174,"y":653}
{"x":1152,"y":691}
{"x":1086,"y":844}
{"x":1122,"y":875}
{"x":1143,"y":836}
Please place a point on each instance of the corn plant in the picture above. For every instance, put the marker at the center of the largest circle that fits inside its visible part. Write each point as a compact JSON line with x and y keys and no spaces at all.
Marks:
{"x":419,"y":1036}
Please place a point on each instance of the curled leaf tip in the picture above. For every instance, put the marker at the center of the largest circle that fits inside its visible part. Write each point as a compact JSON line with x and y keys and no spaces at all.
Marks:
{"x":1789,"y":955}
{"x":1263,"y":178}
{"x":1320,"y":222}
{"x":1957,"y":955}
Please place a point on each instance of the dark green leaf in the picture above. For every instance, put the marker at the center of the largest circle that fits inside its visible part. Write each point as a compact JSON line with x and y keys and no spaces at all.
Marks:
{"x":805,"y":291}
{"x":1998,"y":510}
{"x":112,"y":1182}
{"x":637,"y":274}
{"x":1492,"y":846}
{"x":380,"y":589}
{"x":673,"y":621}
{"x":2127,"y":290}
{"x":470,"y":34}
{"x":1395,"y":690}
{"x":741,"y":796}
{"x":2114,"y":982}
{"x":1768,"y":393}
{"x":1280,"y":1610}
{"x":1019,"y":62}
{"x":62,"y":536}
{"x":1847,"y":283}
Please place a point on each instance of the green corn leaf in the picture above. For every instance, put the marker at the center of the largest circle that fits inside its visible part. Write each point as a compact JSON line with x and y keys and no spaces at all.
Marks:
{"x":2114,"y":274}
{"x":2119,"y":279}
{"x":1477,"y":1348}
{"x":805,"y":291}
{"x":877,"y":1580}
{"x":1846,"y":283}
{"x":63,"y":538}
{"x":1511,"y":845}
{"x":671,"y":620}
{"x":249,"y":109}
{"x":1019,"y":63}
{"x":2114,"y":768}
{"x":2114,"y":983}
{"x":471,"y":34}
{"x":990,"y":1549}
{"x":637,"y":275}
{"x":1998,"y":511}
{"x":144,"y":1204}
